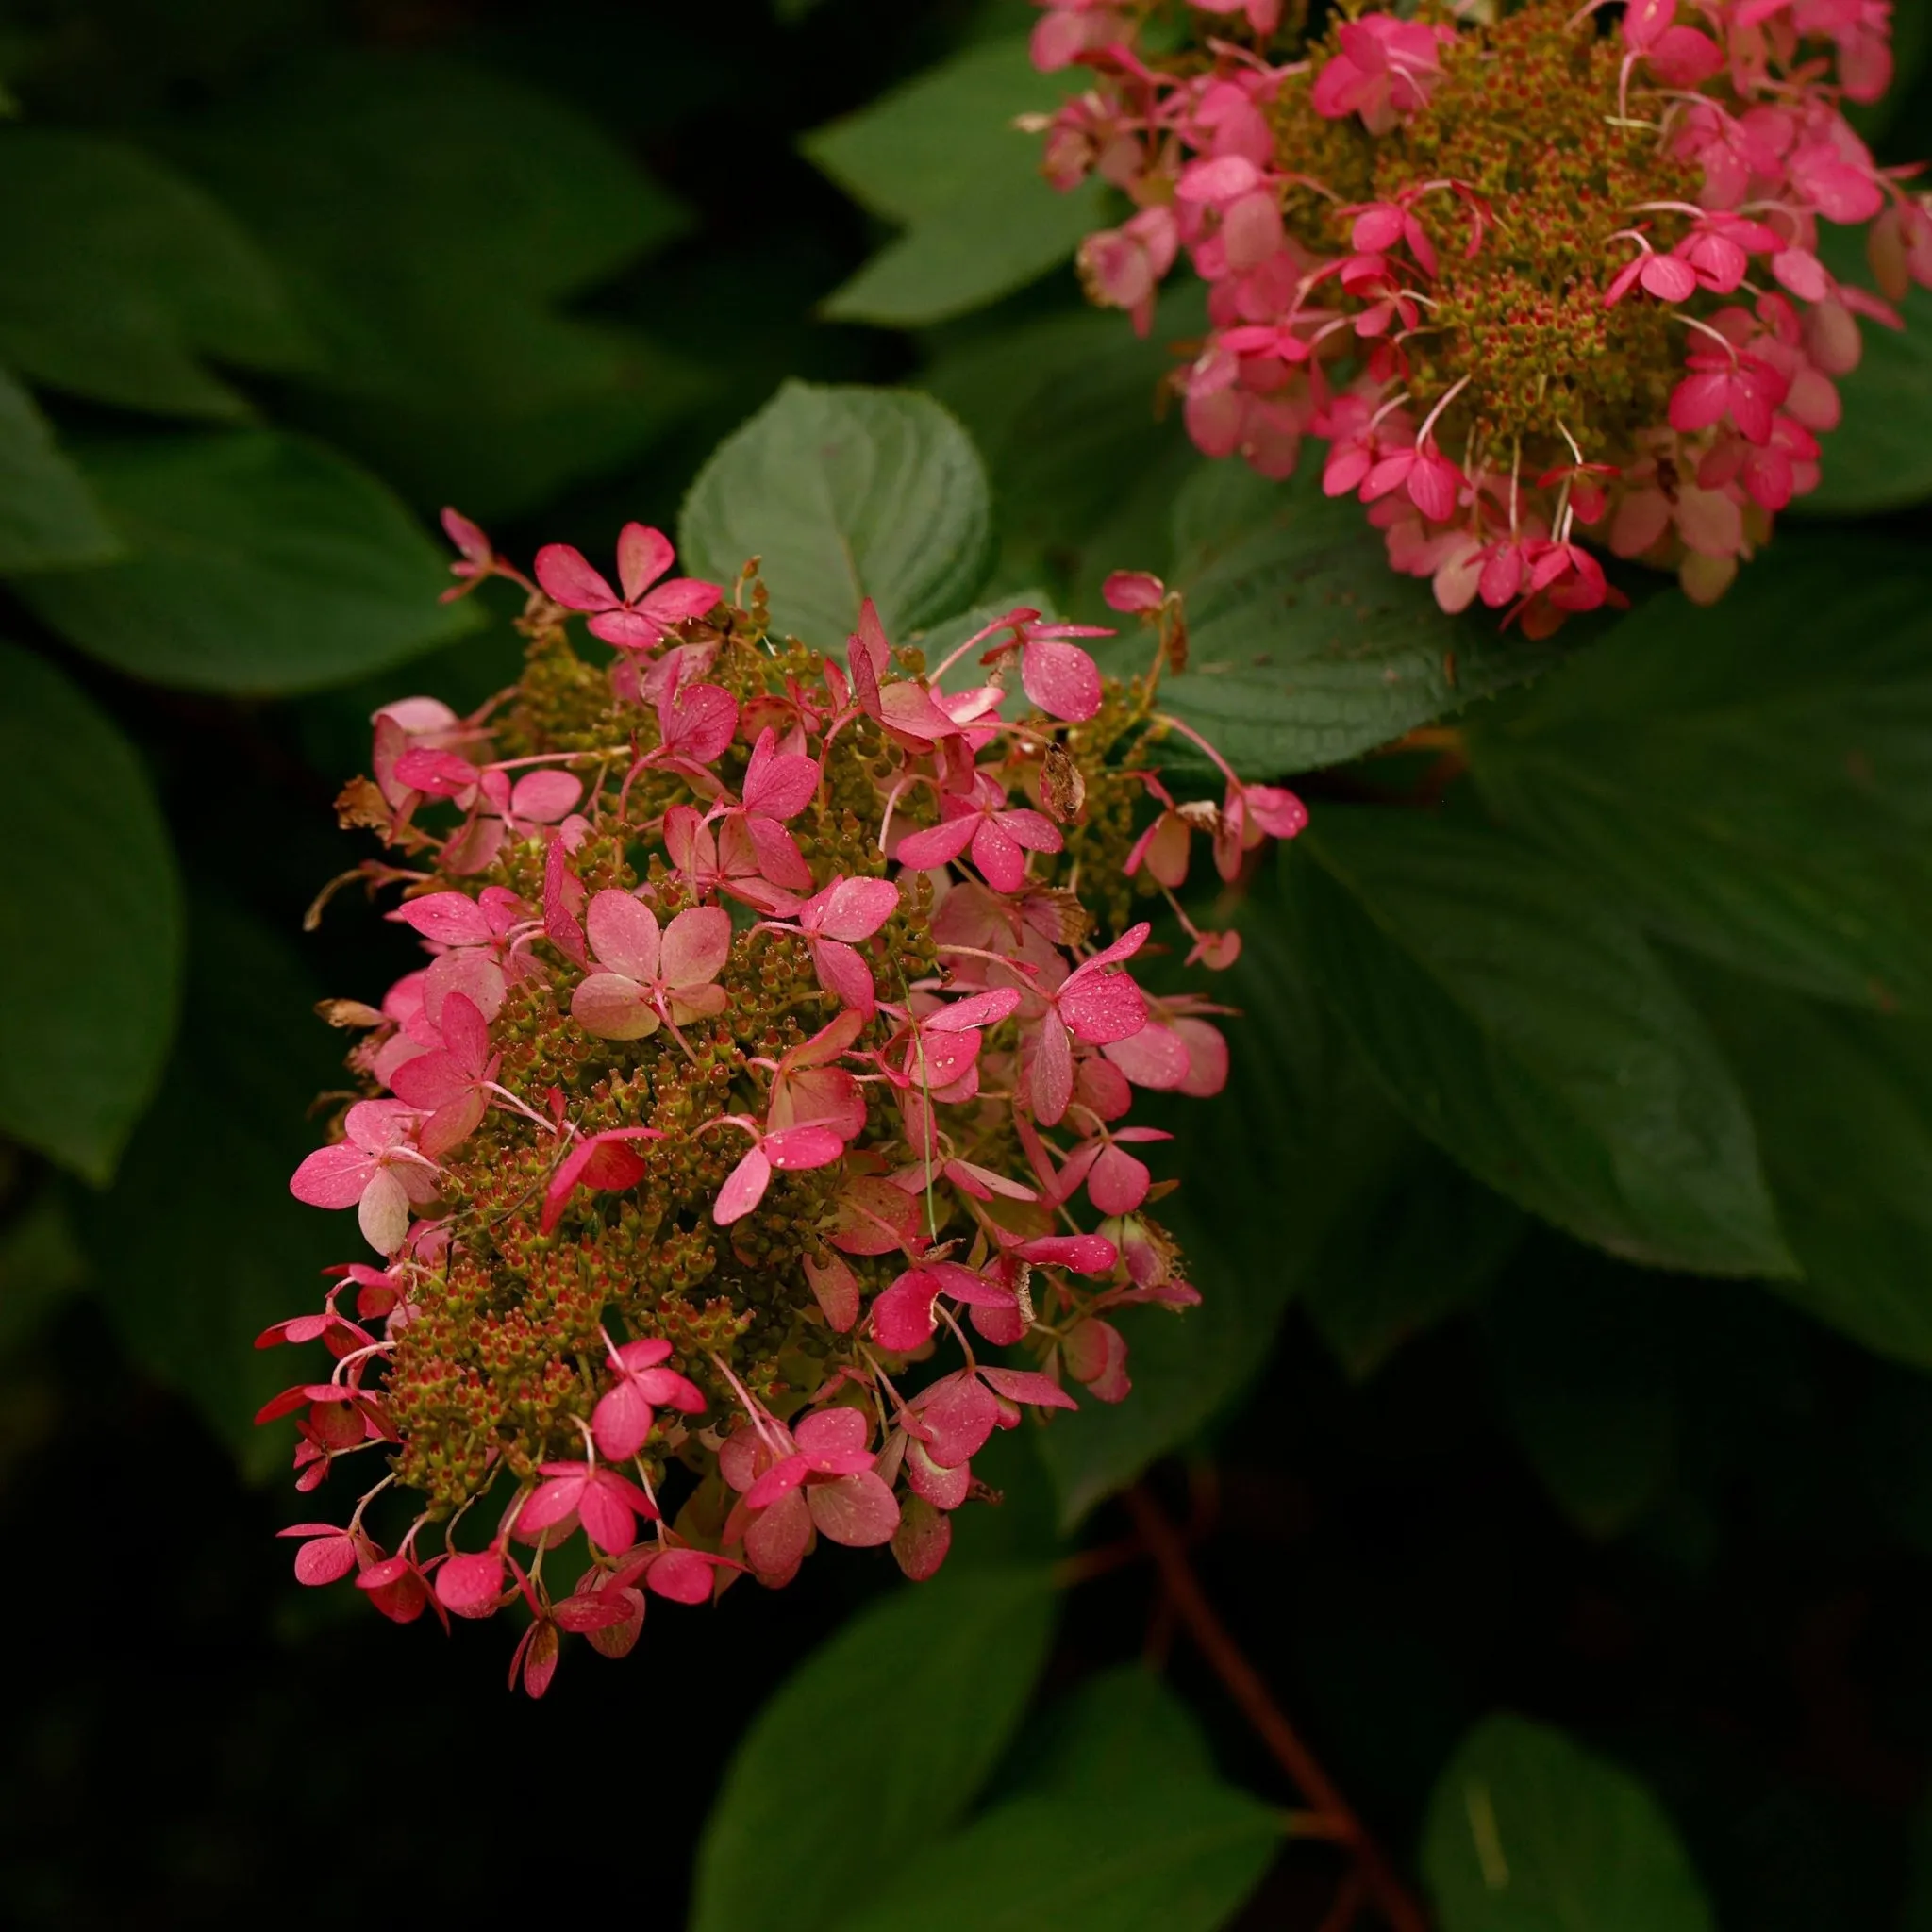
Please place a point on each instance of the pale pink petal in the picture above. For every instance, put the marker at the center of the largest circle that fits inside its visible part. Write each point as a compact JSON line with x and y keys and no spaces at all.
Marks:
{"x":1155,"y":1057}
{"x":1207,"y":1057}
{"x":696,"y":945}
{"x":543,"y":797}
{"x":383,"y":1213}
{"x":613,"y":1007}
{"x":857,"y":1510}
{"x":850,"y":909}
{"x":470,"y":971}
{"x":624,"y":936}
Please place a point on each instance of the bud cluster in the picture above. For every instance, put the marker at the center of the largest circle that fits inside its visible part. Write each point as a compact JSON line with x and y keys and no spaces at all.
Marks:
{"x":753,"y":1143}
{"x":1527,"y":275}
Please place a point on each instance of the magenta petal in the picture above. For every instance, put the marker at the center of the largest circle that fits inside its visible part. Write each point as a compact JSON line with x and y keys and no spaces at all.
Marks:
{"x":451,"y":919}
{"x":470,"y":1586}
{"x":1029,"y":1385}
{"x":1061,"y":679}
{"x":681,"y":600}
{"x":567,"y":577}
{"x":621,"y":1422}
{"x":923,"y":850}
{"x":684,"y":1575}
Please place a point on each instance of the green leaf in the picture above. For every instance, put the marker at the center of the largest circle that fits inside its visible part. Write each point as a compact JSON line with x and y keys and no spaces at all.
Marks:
{"x":1527,"y":1832}
{"x":200,"y":1245}
{"x":1174,"y":1855}
{"x":1119,"y":1823}
{"x":1532,"y":1034}
{"x":1753,"y":794}
{"x":1121,"y":1728}
{"x":942,"y":155}
{"x":433,"y":217}
{"x":1265,"y":1169}
{"x":1880,"y":454}
{"x":845,"y":494}
{"x":1581,"y":1351}
{"x":1085,"y":461}
{"x":1416,"y":1246}
{"x":259,"y":562}
{"x":1304,"y":647}
{"x":91,"y":907}
{"x":48,"y":519}
{"x":871,"y":1751}
{"x":1843,"y":1105}
{"x":122,"y":279}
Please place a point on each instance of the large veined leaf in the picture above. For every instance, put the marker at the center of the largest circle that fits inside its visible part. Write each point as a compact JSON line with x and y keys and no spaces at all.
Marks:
{"x":434,"y":218}
{"x":201,"y":1247}
{"x":48,"y":517}
{"x":1843,"y":1105}
{"x":1753,"y":788}
{"x":123,"y":280}
{"x":91,"y":974}
{"x":1530,"y":1031}
{"x":1528,"y":1832}
{"x":1121,"y":1826}
{"x":942,"y":155}
{"x":845,"y":494}
{"x":257,"y":562}
{"x":1305,"y":648}
{"x":876,"y":1744}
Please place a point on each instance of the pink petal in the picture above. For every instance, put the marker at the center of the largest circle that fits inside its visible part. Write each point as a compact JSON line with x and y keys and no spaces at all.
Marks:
{"x":803,"y":1147}
{"x":1001,"y":862}
{"x":470,"y":1586}
{"x":683,"y":1576}
{"x":957,"y":1414}
{"x":902,"y":1316}
{"x":925,"y":851}
{"x":844,"y":974}
{"x":1030,"y":1386}
{"x":978,"y":1009}
{"x":696,"y":945}
{"x":701,"y":723}
{"x":543,"y":797}
{"x":470,"y":971}
{"x":744,"y":1188}
{"x":605,"y":1514}
{"x":778,"y":785}
{"x":326,"y":1560}
{"x":613,"y":1007}
{"x":850,"y":909}
{"x":836,"y":1289}
{"x":924,"y":1534}
{"x":857,"y":1510}
{"x":680,"y":600}
{"x":777,"y":1482}
{"x":1051,"y":1081}
{"x":568,"y":579}
{"x":1116,"y":1183}
{"x":432,"y":1079}
{"x":643,"y":554}
{"x":621,"y":1422}
{"x":383,"y":1213}
{"x":1133,"y":590}
{"x":332,"y":1177}
{"x":1103,"y":1007}
{"x":1155,"y":1057}
{"x":827,"y":1434}
{"x":451,"y":919}
{"x":1060,"y":678}
{"x":552,"y":1500}
{"x":625,"y":935}
{"x":779,"y":858}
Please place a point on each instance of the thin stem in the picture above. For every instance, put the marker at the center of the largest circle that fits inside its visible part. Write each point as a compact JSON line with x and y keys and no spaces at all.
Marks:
{"x":1245,"y":1685}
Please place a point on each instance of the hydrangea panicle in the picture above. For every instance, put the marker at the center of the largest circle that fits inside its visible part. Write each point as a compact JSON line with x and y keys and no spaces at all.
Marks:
{"x":764,"y":1087}
{"x":1542,"y":277}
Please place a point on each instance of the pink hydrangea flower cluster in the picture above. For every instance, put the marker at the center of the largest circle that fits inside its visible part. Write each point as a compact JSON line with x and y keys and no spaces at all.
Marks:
{"x":753,"y":1142}
{"x":1543,"y":284}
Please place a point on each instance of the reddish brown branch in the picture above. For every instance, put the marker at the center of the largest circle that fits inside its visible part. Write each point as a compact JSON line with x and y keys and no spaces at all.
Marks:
{"x":1244,"y":1684}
